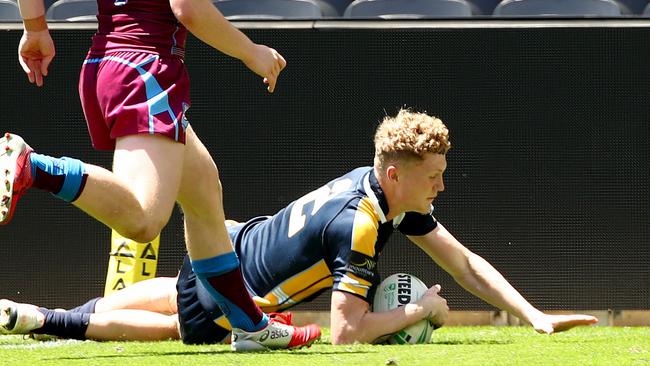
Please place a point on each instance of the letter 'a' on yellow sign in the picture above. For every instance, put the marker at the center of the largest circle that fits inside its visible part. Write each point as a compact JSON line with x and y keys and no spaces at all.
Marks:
{"x":130,"y":262}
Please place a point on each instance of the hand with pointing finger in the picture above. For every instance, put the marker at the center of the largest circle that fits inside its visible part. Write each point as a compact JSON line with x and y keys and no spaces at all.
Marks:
{"x":35,"y":53}
{"x":267,"y":63}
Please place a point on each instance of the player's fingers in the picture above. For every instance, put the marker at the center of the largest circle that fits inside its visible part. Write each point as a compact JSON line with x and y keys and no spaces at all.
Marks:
{"x":23,"y":63}
{"x":45,"y":64}
{"x":271,"y":84}
{"x":35,"y":67}
{"x":276,"y":69}
{"x":437,"y":287}
{"x":282,"y":62}
{"x":580,"y":319}
{"x":570,"y":321}
{"x":268,"y":88}
{"x":38,"y":74}
{"x":589,"y":319}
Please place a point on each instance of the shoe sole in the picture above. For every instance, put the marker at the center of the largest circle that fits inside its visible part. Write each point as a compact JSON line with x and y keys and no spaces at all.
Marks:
{"x":11,"y":147}
{"x":308,"y":344}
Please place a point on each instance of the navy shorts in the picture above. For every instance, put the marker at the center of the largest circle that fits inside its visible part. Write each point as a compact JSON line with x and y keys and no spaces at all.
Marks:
{"x":197,"y":310}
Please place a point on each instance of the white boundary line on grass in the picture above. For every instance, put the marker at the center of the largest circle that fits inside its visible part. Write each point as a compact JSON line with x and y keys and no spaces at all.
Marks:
{"x":41,"y":345}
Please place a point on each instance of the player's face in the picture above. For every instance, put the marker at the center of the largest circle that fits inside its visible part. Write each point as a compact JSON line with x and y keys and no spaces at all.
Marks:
{"x":422,"y":181}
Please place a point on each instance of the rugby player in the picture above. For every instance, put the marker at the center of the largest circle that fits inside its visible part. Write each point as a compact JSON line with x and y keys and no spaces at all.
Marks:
{"x":330,"y":238}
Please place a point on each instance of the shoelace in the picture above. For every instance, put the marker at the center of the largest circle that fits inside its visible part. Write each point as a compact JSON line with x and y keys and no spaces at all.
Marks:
{"x":284,"y":318}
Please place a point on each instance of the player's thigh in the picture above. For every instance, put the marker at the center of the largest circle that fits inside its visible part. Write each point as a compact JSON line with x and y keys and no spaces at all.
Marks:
{"x":155,"y":294}
{"x":152,"y":166}
{"x":200,"y":188}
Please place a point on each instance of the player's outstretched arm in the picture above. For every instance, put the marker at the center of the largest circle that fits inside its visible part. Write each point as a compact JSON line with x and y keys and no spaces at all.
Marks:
{"x":480,"y":278}
{"x":36,"y":49}
{"x":203,"y":19}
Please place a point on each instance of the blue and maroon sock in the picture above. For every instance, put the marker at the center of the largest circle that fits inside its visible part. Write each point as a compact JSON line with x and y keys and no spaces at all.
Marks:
{"x":222,"y":278}
{"x":64,"y":177}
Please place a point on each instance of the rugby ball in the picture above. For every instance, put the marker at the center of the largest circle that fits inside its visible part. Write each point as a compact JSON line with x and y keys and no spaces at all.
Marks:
{"x":397,"y":290}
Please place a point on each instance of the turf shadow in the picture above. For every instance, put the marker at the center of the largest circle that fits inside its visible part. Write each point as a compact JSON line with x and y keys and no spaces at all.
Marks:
{"x":301,"y":353}
{"x":473,"y":342}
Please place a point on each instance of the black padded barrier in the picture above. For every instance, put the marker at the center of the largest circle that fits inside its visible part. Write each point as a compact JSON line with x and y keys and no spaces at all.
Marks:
{"x":547,"y":179}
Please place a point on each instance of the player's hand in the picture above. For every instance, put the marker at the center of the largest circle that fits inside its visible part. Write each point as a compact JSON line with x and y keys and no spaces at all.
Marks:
{"x":267,"y":63}
{"x":549,"y":324}
{"x":35,"y":52}
{"x":436,"y":306}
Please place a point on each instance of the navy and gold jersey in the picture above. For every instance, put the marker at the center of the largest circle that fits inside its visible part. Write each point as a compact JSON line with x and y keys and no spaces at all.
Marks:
{"x":329,"y":238}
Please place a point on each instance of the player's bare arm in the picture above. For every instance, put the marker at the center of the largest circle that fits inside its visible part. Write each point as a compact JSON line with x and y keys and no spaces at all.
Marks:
{"x":36,"y":49}
{"x":352,"y":321}
{"x":206,"y":22}
{"x":480,"y":278}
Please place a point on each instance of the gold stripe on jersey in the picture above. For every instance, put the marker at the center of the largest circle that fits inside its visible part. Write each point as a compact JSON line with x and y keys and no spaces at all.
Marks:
{"x":354,"y":284}
{"x":365,"y":228}
{"x":297,"y":288}
{"x":360,"y":281}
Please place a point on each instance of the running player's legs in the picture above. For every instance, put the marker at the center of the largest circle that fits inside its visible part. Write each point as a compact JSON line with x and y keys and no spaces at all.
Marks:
{"x":143,"y":123}
{"x":139,"y":101}
{"x":201,"y":199}
{"x":216,"y":265}
{"x":137,"y":198}
{"x":208,"y":243}
{"x":196,"y":318}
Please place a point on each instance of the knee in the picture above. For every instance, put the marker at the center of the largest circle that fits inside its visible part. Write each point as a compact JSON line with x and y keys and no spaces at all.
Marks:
{"x":142,"y":231}
{"x":147,"y":233}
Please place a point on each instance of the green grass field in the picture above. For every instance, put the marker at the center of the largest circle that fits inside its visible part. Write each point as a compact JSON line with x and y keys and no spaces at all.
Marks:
{"x":456,"y":346}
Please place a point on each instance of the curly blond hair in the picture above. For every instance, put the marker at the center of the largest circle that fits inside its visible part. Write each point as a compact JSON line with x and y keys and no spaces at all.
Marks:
{"x":408,"y":136}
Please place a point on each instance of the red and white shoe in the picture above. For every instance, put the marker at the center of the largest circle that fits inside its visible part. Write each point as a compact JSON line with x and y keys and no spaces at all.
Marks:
{"x":15,"y":174}
{"x":276,"y":335}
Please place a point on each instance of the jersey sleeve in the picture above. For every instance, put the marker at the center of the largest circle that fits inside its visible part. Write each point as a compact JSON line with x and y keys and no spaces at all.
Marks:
{"x":417,"y":224}
{"x":355,"y":233}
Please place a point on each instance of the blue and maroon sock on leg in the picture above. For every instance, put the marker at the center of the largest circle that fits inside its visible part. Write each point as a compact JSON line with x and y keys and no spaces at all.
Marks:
{"x":222,"y":278}
{"x":64,"y":177}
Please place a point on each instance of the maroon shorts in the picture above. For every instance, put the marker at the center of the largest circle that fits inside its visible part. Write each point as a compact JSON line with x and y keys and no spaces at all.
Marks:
{"x":128,"y":93}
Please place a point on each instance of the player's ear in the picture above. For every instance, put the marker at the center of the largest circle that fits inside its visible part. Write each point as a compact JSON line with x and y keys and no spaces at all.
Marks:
{"x":392,"y":174}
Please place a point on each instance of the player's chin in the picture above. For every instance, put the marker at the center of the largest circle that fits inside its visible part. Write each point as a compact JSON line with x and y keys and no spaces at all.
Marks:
{"x":424,"y":209}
